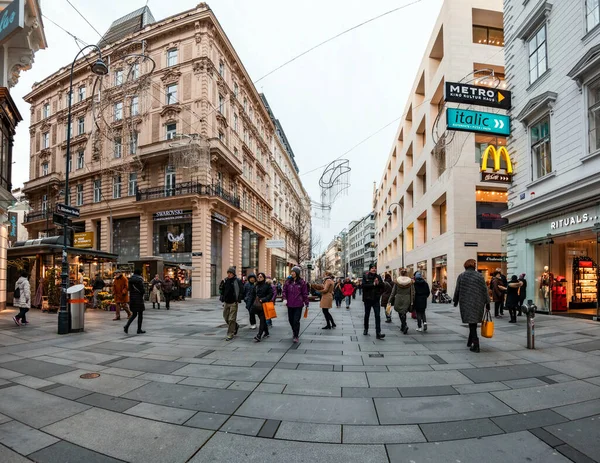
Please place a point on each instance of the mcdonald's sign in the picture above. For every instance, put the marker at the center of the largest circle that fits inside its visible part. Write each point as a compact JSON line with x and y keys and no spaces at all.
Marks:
{"x":497,"y":155}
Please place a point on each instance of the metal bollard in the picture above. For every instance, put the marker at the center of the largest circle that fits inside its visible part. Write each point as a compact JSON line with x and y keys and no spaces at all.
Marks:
{"x":530,"y":310}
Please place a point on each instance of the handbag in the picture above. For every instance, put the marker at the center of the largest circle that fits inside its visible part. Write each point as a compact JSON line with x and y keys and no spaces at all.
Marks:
{"x":306,"y":312}
{"x":257,"y":307}
{"x":388,"y":310}
{"x":269,"y":309}
{"x":487,"y":325}
{"x":17,"y":293}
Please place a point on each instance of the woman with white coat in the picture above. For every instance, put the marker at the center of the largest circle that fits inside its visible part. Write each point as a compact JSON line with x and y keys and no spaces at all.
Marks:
{"x":24,"y":299}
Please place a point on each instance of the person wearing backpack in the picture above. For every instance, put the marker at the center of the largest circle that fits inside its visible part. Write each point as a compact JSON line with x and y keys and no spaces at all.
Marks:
{"x":22,"y":298}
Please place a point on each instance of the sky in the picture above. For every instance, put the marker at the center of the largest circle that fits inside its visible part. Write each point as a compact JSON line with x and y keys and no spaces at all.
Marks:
{"x":327,"y":101}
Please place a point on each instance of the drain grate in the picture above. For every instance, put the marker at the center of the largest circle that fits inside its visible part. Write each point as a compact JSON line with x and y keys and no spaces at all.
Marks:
{"x":376,"y":355}
{"x":90,"y":375}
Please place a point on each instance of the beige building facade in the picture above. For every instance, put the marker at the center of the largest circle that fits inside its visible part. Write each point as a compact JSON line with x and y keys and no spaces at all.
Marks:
{"x":173,"y":155}
{"x":432,"y":184}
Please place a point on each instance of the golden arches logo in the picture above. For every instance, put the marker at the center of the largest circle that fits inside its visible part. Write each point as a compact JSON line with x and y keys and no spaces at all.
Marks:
{"x":497,"y":155}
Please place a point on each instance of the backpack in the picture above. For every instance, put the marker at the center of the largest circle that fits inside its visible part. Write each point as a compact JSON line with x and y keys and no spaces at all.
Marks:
{"x":17,"y":293}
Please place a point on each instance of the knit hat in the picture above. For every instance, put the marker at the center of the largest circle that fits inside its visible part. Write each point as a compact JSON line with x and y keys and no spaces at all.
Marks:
{"x":521,"y":276}
{"x":418,"y":275}
{"x":373,"y":266}
{"x":297,"y":270}
{"x":231,"y":270}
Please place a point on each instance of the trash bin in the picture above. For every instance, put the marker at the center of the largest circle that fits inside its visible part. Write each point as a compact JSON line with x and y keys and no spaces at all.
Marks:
{"x":76,"y":300}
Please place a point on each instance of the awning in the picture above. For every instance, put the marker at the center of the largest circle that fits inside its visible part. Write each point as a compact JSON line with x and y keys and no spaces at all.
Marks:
{"x":85,"y":254}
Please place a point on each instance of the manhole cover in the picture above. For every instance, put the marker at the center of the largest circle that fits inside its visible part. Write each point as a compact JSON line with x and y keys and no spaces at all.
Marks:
{"x":90,"y":375}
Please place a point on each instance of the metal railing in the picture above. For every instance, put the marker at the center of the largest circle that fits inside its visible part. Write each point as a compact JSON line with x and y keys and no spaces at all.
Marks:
{"x":35,"y":216}
{"x":187,"y":188}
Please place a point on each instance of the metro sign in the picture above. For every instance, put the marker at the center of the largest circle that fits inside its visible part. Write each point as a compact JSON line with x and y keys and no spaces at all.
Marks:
{"x":477,"y":95}
{"x":477,"y":122}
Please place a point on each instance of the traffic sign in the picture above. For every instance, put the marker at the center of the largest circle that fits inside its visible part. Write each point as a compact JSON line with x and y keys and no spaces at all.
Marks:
{"x":59,"y":219}
{"x":477,"y":122}
{"x":478,"y":95}
{"x":67,"y":210}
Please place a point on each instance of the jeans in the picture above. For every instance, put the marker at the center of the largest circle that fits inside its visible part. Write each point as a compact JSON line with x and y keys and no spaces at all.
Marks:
{"x":498,"y":308}
{"x":376,"y":306}
{"x":348,"y":300}
{"x":168,"y":300}
{"x":263,"y":328}
{"x":421,"y":318}
{"x":95,"y":299}
{"x":140,"y":318}
{"x":21,"y":314}
{"x":230,"y":316}
{"x":119,"y":306}
{"x":252,"y":314}
{"x":294,"y":316}
{"x":328,"y":317}
{"x":473,"y":339}
{"x":338,"y":301}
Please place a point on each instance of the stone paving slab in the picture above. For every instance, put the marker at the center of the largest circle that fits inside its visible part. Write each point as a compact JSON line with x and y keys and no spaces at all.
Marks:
{"x":581,"y":434}
{"x":301,"y":377}
{"x":65,"y":452}
{"x":579,"y":410}
{"x":587,"y":367}
{"x":207,"y":420}
{"x":147,"y":365}
{"x":243,"y":425}
{"x":531,"y":420}
{"x":9,"y":456}
{"x":130,"y":438}
{"x":161,"y":413}
{"x":382,"y":434}
{"x":416,"y":379}
{"x":115,"y":404}
{"x":24,"y":439}
{"x":506,"y":373}
{"x":222,"y":372}
{"x":36,"y":368}
{"x":68,"y":392}
{"x":309,"y":432}
{"x":370,"y":392}
{"x":104,"y":384}
{"x":456,"y":430}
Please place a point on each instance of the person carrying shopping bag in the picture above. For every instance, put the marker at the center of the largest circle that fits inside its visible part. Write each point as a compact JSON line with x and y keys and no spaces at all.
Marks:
{"x":295,"y":293}
{"x":262,"y":292}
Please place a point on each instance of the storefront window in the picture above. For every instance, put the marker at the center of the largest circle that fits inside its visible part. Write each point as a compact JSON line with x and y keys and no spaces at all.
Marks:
{"x":216,"y":256}
{"x":490,"y":205}
{"x":126,"y":239}
{"x":422,"y":267}
{"x":249,"y":250}
{"x":487,"y":263}
{"x":173,"y":235}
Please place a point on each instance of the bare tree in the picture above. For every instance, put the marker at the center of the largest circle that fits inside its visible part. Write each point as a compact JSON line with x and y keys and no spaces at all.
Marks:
{"x":301,"y":243}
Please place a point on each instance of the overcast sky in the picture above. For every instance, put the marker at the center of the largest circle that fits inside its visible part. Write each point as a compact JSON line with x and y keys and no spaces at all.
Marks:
{"x":327,"y":101}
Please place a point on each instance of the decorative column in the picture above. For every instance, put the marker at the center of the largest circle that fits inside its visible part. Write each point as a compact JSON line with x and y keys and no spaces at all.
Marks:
{"x":145,"y":234}
{"x":237,"y":244}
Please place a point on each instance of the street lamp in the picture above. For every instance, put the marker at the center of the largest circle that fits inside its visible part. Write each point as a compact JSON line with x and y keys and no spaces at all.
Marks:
{"x":99,"y":68}
{"x":389,"y":213}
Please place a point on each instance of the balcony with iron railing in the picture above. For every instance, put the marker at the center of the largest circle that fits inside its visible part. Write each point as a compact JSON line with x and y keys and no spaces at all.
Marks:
{"x":186,"y":189}
{"x":35,"y":216}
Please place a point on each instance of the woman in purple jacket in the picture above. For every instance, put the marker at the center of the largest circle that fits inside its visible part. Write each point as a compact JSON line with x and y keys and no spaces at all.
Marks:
{"x":295,"y":292}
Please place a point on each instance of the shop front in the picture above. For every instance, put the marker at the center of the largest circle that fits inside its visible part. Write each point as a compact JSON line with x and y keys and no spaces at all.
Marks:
{"x":487,"y":263}
{"x":440,"y":270}
{"x":560,"y":256}
{"x":249,"y":251}
{"x":172,"y":237}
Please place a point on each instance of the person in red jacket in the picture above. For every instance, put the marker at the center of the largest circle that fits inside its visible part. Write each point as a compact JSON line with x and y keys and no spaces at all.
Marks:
{"x":348,"y":291}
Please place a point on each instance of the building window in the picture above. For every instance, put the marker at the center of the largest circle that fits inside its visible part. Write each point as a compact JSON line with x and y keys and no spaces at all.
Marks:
{"x":46,"y":110}
{"x":172,"y":57}
{"x":235,"y":122}
{"x":68,"y":130}
{"x":80,"y":159}
{"x":67,"y":99}
{"x":488,"y":35}
{"x":538,"y":55}
{"x":592,"y":13}
{"x":132,"y":189}
{"x":540,"y":148}
{"x":81,"y":93}
{"x":46,"y":140}
{"x":134,"y":72}
{"x":172,"y":94}
{"x":221,"y":136}
{"x":118,"y":147}
{"x":171,"y":131}
{"x":119,"y":77}
{"x":236,"y":152}
{"x":97,"y":190}
{"x":170,"y":181}
{"x":79,"y":200}
{"x":245,"y":105}
{"x":594,"y":115}
{"x":443,"y":218}
{"x":134,"y":106}
{"x":222,"y":69}
{"x":70,"y":163}
{"x":81,"y":126}
{"x":133,"y":142}
{"x":118,"y":111}
{"x":44,"y":169}
{"x":489,"y":209}
{"x":236,"y":89}
{"x":116,"y":187}
{"x":221,"y":102}
{"x":44,"y":203}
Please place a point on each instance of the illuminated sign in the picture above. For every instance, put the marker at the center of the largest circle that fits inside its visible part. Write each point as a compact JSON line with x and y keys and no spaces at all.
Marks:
{"x":83,"y":240}
{"x":477,"y":121}
{"x":477,"y":94}
{"x":497,"y":155}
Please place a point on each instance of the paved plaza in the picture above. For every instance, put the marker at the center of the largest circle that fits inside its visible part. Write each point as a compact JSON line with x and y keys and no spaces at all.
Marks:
{"x":181,"y":393}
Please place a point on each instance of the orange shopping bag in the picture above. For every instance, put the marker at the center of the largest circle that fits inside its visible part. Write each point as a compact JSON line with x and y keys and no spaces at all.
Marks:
{"x":269,"y":309}
{"x":306,"y":313}
{"x":487,"y":325}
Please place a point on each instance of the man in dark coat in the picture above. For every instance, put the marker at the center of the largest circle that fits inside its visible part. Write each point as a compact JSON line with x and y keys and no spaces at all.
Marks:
{"x":388,"y":285}
{"x":232,"y":293}
{"x":248,"y":286}
{"x":372,"y":287}
{"x":422,"y":292}
{"x":136,"y":300}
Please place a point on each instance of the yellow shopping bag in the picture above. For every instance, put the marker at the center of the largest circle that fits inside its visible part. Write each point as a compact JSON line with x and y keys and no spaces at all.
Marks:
{"x":487,"y":325}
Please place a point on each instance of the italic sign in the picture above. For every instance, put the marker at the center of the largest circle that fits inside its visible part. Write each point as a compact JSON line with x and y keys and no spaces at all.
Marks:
{"x":477,"y":121}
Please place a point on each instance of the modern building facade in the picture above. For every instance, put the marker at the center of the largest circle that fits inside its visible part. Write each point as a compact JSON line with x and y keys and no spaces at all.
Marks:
{"x":174,"y":156}
{"x":553,"y":70}
{"x":431,"y":185}
{"x":362,"y":245}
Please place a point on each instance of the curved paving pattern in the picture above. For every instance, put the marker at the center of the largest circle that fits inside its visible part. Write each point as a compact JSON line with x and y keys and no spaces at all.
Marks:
{"x":181,"y":393}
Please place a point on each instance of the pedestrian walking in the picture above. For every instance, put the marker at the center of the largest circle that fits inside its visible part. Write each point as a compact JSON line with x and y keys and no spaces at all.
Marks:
{"x":338,"y":295}
{"x":388,"y":285}
{"x":422,"y":293}
{"x":136,"y":296}
{"x":155,"y":291}
{"x":522,"y":292}
{"x":326,"y":303}
{"x":121,"y":295}
{"x":403,"y":297}
{"x":372,"y":287}
{"x":22,"y":298}
{"x":97,"y":286}
{"x":248,"y":286}
{"x":471,"y":295}
{"x":168,"y":286}
{"x":512,"y":297}
{"x":348,"y":292}
{"x":435,"y":287}
{"x":295,"y":293}
{"x":498,"y":292}
{"x":274,"y":300}
{"x":261,"y":292}
{"x":232,"y":293}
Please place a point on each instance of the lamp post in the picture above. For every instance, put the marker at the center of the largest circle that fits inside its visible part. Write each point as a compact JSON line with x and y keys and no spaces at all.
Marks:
{"x":389,"y":213}
{"x":99,"y":68}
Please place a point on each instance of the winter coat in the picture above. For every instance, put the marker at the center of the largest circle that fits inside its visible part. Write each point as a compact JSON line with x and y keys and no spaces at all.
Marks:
{"x":403,"y":295}
{"x":471,"y":293}
{"x":120,"y":287}
{"x":264,"y":292}
{"x":295,"y":292}
{"x":326,"y":290}
{"x":387,"y":291}
{"x":136,"y":293}
{"x":24,"y":300}
{"x":512,"y":295}
{"x":348,"y":289}
{"x":523,"y":290}
{"x":497,"y":291}
{"x":168,"y":286}
{"x":370,"y":290}
{"x":232,"y":290}
{"x":248,"y":291}
{"x":98,"y":284}
{"x":156,"y":286}
{"x":338,"y":295}
{"x":422,"y":292}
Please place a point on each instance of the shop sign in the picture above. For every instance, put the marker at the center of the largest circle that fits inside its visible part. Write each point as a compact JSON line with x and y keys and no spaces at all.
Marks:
{"x":219,"y":218}
{"x":175,"y":214}
{"x":491,"y":258}
{"x":478,"y":95}
{"x":12,"y":19}
{"x":471,"y":244}
{"x":83,"y":240}
{"x":440,"y":261}
{"x":497,"y":155}
{"x":13,"y":226}
{"x":275,"y":244}
{"x":572,"y":220}
{"x":477,"y":121}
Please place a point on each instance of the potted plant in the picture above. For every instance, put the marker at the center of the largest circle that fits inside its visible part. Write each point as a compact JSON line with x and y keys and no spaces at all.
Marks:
{"x":52,"y":290}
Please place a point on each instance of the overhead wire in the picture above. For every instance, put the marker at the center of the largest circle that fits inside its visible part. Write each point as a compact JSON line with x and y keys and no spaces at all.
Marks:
{"x":84,"y":18}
